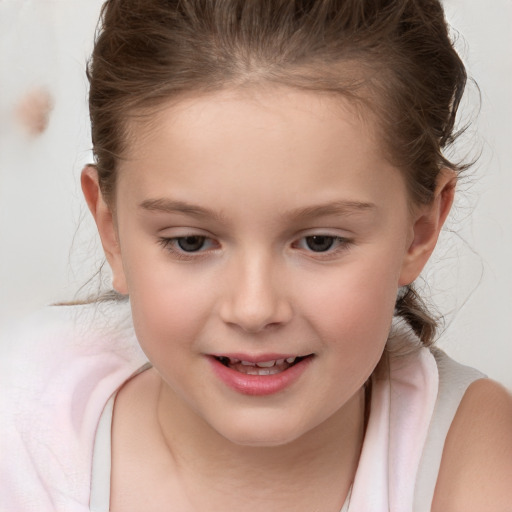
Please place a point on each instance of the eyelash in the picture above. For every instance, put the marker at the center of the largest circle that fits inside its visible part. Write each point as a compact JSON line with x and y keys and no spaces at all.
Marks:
{"x":171,"y":245}
{"x":339,"y":244}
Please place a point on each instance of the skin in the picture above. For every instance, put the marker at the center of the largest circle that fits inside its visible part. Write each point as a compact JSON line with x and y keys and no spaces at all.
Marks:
{"x":270,"y":168}
{"x":476,"y":469}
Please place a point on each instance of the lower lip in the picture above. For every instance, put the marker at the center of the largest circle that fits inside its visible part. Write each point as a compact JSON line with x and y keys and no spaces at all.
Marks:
{"x":259,"y":385}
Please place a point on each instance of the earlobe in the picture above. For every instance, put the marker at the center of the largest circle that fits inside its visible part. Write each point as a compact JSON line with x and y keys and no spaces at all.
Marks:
{"x":427,"y":225}
{"x":106,"y":226}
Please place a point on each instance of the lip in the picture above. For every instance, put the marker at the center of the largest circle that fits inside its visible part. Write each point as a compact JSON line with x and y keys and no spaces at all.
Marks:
{"x":260,"y":358}
{"x":258,"y":385}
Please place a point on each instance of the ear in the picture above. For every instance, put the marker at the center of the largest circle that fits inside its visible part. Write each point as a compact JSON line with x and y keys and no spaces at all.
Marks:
{"x":428,"y":221}
{"x":106,"y":226}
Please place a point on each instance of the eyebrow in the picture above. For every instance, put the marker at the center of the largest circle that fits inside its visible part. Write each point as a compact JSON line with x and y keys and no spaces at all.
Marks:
{"x":342,"y":207}
{"x":173,"y":206}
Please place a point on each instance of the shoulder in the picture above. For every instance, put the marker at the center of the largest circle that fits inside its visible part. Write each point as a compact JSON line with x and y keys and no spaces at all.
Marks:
{"x":58,"y":369}
{"x":64,"y":352}
{"x":55,"y":333}
{"x":476,"y":467}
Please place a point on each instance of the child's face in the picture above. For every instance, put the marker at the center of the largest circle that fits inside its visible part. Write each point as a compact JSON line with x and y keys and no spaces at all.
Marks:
{"x":217,"y":210}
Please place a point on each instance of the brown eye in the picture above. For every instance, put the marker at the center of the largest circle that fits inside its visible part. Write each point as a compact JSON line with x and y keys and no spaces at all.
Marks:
{"x":191,"y":243}
{"x":320,"y":243}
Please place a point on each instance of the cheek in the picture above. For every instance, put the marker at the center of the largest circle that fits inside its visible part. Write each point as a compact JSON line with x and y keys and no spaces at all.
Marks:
{"x":168,"y":303}
{"x":357,"y":293}
{"x":352,"y":311}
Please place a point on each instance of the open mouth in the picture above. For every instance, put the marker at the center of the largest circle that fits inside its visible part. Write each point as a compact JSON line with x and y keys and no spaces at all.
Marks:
{"x":271,"y":367}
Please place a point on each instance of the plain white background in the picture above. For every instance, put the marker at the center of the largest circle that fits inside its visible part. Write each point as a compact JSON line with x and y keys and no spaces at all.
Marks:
{"x":48,"y":247}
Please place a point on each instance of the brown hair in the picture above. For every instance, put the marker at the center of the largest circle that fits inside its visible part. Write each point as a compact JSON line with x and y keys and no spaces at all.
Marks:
{"x":394,"y":56}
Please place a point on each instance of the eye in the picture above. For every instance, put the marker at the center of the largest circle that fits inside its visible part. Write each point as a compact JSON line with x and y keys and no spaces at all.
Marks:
{"x":328,"y":244}
{"x":190,"y":244}
{"x":319,"y":243}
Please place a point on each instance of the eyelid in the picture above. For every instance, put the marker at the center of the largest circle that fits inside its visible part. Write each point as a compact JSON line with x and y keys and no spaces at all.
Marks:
{"x":337,"y":238}
{"x":170,"y":244}
{"x":341,"y":244}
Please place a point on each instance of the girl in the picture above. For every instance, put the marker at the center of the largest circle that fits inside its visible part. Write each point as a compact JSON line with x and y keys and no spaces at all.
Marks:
{"x":269,"y":182}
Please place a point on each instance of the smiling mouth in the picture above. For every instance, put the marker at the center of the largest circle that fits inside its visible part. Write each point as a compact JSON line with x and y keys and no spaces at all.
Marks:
{"x":260,"y":368}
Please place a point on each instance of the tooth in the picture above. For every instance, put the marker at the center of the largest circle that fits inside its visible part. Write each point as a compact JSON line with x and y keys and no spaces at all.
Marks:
{"x":234,"y":361}
{"x":290,"y":360}
{"x":248,"y":363}
{"x":279,"y":361}
{"x":266,"y":364}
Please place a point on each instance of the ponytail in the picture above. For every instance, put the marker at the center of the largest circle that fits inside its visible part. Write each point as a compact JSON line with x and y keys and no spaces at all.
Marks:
{"x":414,"y":311}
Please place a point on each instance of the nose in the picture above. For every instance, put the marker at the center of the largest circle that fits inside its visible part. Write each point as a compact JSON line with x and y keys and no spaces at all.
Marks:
{"x":254,"y":300}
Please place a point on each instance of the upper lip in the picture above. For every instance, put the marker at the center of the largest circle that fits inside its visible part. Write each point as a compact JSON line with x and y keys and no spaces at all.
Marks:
{"x":258,"y":358}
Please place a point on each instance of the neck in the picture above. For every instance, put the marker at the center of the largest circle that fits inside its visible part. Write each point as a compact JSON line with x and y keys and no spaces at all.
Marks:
{"x":319,"y":465}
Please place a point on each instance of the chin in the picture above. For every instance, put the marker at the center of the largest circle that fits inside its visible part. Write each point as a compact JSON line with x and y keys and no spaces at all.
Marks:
{"x":261,"y":434}
{"x":262,"y":441}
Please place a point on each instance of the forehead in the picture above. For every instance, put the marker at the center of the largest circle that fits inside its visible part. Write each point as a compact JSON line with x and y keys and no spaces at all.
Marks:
{"x":272,"y":141}
{"x":264,"y":106}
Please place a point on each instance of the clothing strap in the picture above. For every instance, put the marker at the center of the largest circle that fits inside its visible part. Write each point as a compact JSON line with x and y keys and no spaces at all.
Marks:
{"x":99,"y":500}
{"x":101,"y":461}
{"x":454,"y":380}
